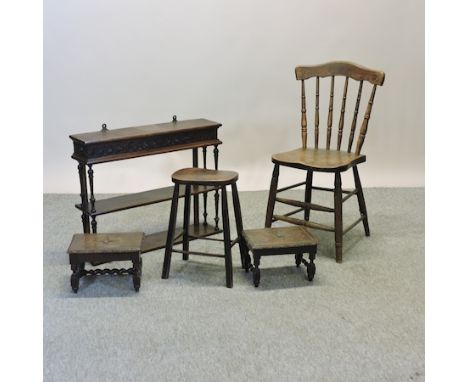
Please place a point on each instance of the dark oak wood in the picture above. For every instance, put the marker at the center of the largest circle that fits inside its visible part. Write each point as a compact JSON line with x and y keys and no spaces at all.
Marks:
{"x":155,"y":241}
{"x":280,"y":241}
{"x":308,"y":193}
{"x":338,"y":219}
{"x":119,"y":144}
{"x":227,"y":238}
{"x":139,"y":199}
{"x":196,"y":198}
{"x":185,"y":240}
{"x":216,"y":195}
{"x":132,"y":142}
{"x":327,"y":160}
{"x":101,"y":248}
{"x":272,"y":196}
{"x":170,"y":233}
{"x":239,"y":225}
{"x":192,"y":177}
{"x":361,"y":201}
{"x":84,"y":197}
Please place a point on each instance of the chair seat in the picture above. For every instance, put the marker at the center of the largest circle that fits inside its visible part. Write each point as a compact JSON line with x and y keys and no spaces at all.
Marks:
{"x":318,"y":159}
{"x":203,"y":176}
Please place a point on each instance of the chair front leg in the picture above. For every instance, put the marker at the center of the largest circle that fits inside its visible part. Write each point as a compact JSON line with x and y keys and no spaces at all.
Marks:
{"x":361,"y":201}
{"x":272,"y":197}
{"x":338,"y":193}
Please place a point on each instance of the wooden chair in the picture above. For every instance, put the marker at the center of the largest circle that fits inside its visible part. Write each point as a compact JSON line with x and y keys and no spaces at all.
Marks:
{"x":327,"y":159}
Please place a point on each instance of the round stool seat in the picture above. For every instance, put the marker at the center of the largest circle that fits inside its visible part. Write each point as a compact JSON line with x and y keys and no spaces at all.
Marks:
{"x":204,"y":176}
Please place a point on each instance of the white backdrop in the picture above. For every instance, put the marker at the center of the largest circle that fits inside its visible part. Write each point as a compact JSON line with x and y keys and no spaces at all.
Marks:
{"x":129,"y":63}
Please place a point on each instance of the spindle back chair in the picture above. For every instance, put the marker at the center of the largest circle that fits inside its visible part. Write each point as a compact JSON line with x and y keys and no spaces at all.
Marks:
{"x":328,"y":159}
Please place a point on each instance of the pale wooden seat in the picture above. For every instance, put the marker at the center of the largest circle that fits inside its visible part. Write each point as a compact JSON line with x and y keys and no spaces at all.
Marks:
{"x":202,"y":176}
{"x":328,"y":159}
{"x":318,"y":159}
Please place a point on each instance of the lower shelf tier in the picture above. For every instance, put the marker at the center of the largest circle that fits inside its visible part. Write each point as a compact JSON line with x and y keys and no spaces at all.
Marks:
{"x":127,"y":201}
{"x":157,"y":240}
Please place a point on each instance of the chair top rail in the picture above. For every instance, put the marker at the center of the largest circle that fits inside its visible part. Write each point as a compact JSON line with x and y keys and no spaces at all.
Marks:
{"x":341,"y":68}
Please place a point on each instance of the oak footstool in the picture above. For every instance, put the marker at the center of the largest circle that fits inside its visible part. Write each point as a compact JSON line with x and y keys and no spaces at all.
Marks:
{"x":101,"y":248}
{"x":280,"y":241}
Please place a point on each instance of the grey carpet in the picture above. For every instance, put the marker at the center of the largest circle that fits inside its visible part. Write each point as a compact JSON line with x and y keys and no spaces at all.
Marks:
{"x":362,"y":320}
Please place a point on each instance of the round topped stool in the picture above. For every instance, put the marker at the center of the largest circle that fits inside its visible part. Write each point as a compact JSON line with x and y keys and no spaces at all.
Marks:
{"x":203,"y":177}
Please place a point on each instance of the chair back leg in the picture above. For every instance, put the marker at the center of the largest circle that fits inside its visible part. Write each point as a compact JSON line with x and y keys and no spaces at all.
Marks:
{"x":338,"y":196}
{"x":361,"y":201}
{"x":272,"y":197}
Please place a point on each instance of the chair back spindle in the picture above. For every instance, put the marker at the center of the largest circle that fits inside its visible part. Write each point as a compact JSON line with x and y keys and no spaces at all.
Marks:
{"x":356,"y":112}
{"x":317,"y":118}
{"x":303,"y":118}
{"x":365,"y":122}
{"x":343,"y":108}
{"x":330,"y":112}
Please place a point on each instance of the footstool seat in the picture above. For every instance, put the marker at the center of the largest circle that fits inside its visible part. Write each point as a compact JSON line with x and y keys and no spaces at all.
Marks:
{"x":102,"y":248}
{"x":280,"y":241}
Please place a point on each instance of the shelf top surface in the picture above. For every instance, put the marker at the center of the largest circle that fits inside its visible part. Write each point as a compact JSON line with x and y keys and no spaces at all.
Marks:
{"x":143,"y":131}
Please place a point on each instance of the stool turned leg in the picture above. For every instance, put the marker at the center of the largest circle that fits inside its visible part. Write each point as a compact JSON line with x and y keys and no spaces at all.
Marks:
{"x":75,"y":277}
{"x":170,"y":233}
{"x":338,"y":218}
{"x":92,"y":199}
{"x":205,"y":195}
{"x":227,"y":237}
{"x":239,"y":226}
{"x":196,"y":199}
{"x":256,"y":270}
{"x":272,"y":197}
{"x":137,"y":273}
{"x":84,"y":197}
{"x":298,"y":259}
{"x":311,"y":266}
{"x":216,"y":194}
{"x":185,"y":240}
